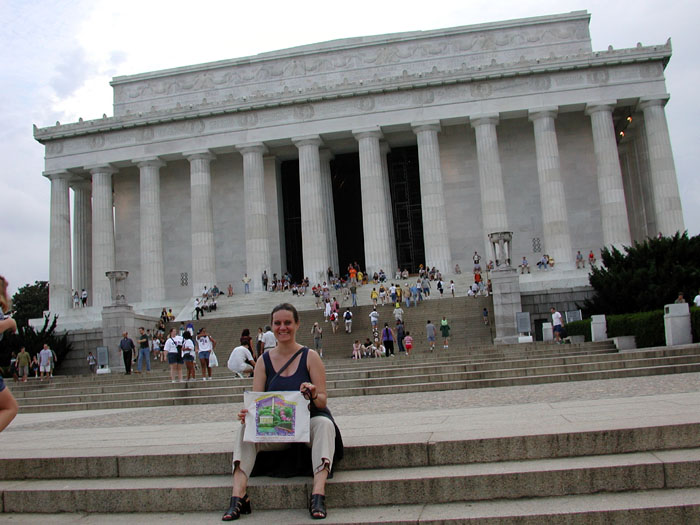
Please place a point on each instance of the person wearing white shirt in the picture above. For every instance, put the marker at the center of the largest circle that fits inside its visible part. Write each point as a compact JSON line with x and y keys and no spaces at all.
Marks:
{"x":173,"y":346}
{"x":241,"y":361}
{"x":269,"y":341}
{"x":696,"y":301}
{"x":188,"y":354}
{"x":557,"y":326}
{"x":205,"y":344}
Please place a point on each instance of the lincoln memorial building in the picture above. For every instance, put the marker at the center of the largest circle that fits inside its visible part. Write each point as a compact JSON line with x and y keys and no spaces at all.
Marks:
{"x":391,"y":150}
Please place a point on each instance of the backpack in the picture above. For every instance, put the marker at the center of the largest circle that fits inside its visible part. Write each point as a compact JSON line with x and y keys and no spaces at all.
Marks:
{"x":347,"y":316}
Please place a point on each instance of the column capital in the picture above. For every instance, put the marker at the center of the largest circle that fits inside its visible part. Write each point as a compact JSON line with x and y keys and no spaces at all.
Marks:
{"x":150,"y":162}
{"x":544,"y":112}
{"x":426,"y":125}
{"x":307,"y":140}
{"x":102,"y":168}
{"x":653,"y":100}
{"x":484,"y":118}
{"x":58,"y":174}
{"x":252,"y":147}
{"x":601,"y":105}
{"x":374,"y":132}
{"x":203,"y":154}
{"x":325,"y":154}
{"x":80,"y":184}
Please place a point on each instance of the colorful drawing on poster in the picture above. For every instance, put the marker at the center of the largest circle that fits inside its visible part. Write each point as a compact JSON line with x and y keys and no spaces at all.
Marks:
{"x":275,"y":416}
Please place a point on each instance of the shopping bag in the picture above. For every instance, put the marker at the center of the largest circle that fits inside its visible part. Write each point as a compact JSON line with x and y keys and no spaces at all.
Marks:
{"x":276,"y":417}
{"x":213,"y":361}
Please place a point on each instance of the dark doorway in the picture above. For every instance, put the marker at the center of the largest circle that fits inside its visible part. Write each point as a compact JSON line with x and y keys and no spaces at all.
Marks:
{"x":404,"y":181}
{"x":347,"y":202}
{"x":289,"y":170}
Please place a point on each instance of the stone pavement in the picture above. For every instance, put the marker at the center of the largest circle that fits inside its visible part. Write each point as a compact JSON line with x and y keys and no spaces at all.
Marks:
{"x":487,"y":412}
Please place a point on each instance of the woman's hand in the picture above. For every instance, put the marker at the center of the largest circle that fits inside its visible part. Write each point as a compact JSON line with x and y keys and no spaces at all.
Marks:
{"x":241,"y":415}
{"x":308,"y":390}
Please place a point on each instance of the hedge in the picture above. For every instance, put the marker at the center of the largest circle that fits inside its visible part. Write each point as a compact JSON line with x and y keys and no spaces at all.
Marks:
{"x":647,"y":327}
{"x":579,"y":328}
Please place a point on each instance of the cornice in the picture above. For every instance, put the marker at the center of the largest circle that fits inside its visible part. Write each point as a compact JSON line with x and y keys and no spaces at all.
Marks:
{"x":434,"y":78}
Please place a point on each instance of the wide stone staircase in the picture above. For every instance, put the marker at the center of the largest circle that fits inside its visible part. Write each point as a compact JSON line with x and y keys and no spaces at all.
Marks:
{"x":601,"y":462}
{"x":464,"y":315}
{"x":478,"y":367}
{"x":645,"y":474}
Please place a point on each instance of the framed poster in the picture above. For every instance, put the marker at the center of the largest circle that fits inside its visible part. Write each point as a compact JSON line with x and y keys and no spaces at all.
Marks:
{"x":276,"y":417}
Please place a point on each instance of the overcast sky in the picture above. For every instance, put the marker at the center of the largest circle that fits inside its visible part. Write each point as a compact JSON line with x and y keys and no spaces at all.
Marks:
{"x":59,"y":56}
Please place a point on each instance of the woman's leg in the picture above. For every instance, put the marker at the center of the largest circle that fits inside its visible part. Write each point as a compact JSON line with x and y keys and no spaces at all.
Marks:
{"x":178,"y":367}
{"x":172,"y":372}
{"x":322,"y":450}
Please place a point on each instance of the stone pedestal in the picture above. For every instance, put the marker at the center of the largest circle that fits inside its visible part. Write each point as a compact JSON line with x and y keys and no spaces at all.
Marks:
{"x":599,"y":328}
{"x":506,"y":303}
{"x":547,"y":332}
{"x":117,"y":318}
{"x":677,"y":324}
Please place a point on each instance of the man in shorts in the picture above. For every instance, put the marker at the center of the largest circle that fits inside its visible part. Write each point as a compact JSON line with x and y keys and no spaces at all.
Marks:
{"x":45,"y":356}
{"x":557,"y":326}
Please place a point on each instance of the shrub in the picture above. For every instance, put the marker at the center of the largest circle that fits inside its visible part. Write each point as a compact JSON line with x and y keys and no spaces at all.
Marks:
{"x":579,"y":328}
{"x":33,"y":341}
{"x":647,"y":327}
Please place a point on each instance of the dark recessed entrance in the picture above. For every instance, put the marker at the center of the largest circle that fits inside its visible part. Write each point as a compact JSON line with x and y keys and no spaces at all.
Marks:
{"x":404,"y":181}
{"x":289,"y":170}
{"x":347,"y":201}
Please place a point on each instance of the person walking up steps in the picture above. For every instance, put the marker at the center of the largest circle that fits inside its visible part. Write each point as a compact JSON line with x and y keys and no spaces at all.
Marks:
{"x":445,"y":331}
{"x":430,"y":334}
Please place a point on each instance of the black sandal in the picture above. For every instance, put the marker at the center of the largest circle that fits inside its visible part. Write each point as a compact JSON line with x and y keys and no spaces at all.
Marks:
{"x":317,"y":506}
{"x":237,"y":507}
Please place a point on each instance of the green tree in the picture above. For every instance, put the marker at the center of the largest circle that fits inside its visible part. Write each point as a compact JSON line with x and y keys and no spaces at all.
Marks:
{"x":646,"y":276}
{"x":30,"y":302}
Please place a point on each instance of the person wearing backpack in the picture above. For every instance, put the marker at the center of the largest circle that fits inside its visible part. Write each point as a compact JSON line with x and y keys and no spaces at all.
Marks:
{"x":348,"y":321}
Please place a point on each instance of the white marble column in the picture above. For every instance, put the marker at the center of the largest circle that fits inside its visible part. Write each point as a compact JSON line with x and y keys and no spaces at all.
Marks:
{"x":314,"y":224}
{"x":326,"y":156}
{"x":60,"y":282}
{"x":435,"y":238}
{"x":152,"y":263}
{"x":611,"y":192}
{"x":202,"y":217}
{"x":667,"y":200}
{"x":373,"y":191}
{"x":103,"y":257}
{"x":555,"y":223}
{"x":494,"y":217}
{"x":257,"y":246}
{"x":383,"y":151}
{"x":82,"y":237}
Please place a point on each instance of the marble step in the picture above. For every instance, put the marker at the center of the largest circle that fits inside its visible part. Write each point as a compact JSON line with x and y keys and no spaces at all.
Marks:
{"x":366,"y":453}
{"x":201,"y":395}
{"x":671,"y":506}
{"x":637,"y":471}
{"x":375,"y":369}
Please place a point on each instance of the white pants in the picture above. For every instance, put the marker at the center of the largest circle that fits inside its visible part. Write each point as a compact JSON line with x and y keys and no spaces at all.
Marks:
{"x":322,"y":446}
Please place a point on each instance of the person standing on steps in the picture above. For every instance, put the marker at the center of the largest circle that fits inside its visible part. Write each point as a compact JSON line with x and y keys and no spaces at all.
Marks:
{"x":173,"y":347}
{"x":269,"y":341}
{"x":289,"y":367}
{"x":205,"y":345}
{"x":317,"y":334}
{"x":126,"y":347}
{"x":388,"y":338}
{"x":430,"y":334}
{"x":445,"y":332}
{"x":348,"y":321}
{"x":557,"y":326}
{"x":144,"y":351}
{"x":485,"y":314}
